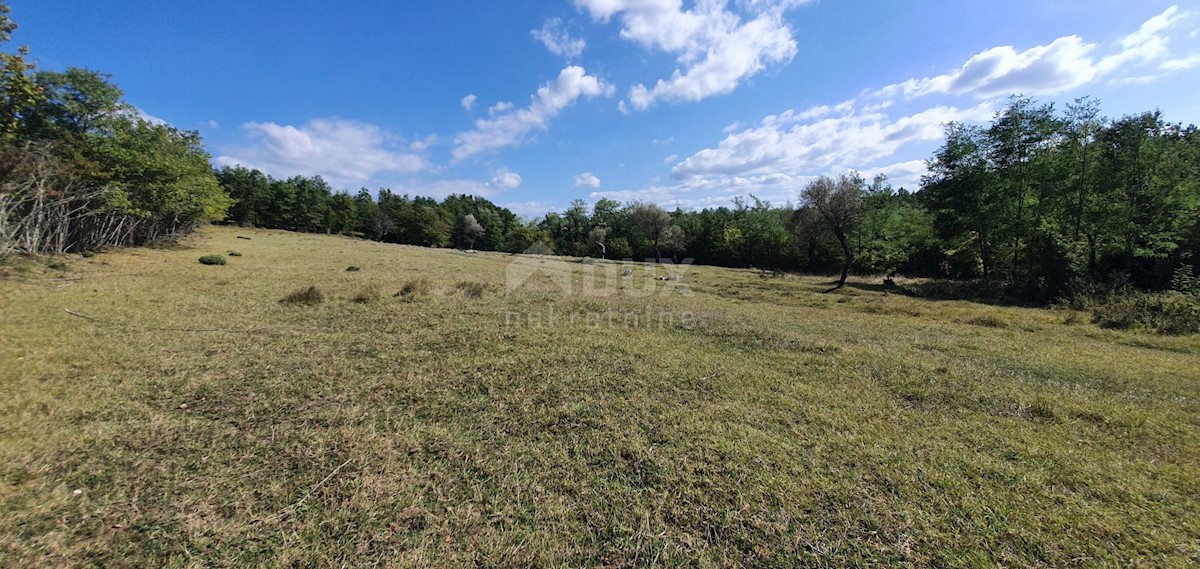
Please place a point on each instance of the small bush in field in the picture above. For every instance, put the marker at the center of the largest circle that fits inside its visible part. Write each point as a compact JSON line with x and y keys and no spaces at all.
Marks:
{"x":311,"y":295}
{"x":415,"y":288}
{"x":87,"y":254}
{"x":352,"y":269}
{"x":57,"y":265}
{"x":1168,"y":313}
{"x":212,"y":260}
{"x":988,"y":321}
{"x":234,"y":254}
{"x":365,"y":295}
{"x":474,"y":289}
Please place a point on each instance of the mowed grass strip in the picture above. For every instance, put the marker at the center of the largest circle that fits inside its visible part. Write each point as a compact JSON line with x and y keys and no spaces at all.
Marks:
{"x":446,"y":421}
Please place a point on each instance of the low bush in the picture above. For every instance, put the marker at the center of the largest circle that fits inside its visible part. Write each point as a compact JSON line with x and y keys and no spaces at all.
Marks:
{"x":234,"y":254}
{"x":474,"y":289}
{"x":352,"y":269}
{"x":212,"y":260}
{"x":1167,"y":313}
{"x":87,"y":254}
{"x":415,"y":288}
{"x":311,"y":295}
{"x":57,"y":265}
{"x":365,"y":295}
{"x":989,"y":321}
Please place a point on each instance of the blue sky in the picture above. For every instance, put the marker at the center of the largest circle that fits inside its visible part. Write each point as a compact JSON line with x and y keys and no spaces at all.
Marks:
{"x":535,"y":103}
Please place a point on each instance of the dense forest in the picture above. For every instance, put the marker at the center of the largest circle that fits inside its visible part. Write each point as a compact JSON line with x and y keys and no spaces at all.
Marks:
{"x":1044,"y":202}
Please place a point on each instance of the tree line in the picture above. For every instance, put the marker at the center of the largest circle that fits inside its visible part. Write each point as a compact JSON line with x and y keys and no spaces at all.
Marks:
{"x":80,"y":169}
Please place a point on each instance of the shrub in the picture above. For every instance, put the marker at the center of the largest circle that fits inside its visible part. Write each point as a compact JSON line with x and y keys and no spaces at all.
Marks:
{"x":87,"y":254}
{"x":365,"y":295}
{"x":473,"y":289}
{"x":989,"y":321}
{"x":415,"y":288}
{"x":1184,"y":281}
{"x":167,"y":243}
{"x":311,"y":295}
{"x":57,"y":265}
{"x":234,"y":254}
{"x":1168,"y":313}
{"x":212,"y":260}
{"x":352,"y":269}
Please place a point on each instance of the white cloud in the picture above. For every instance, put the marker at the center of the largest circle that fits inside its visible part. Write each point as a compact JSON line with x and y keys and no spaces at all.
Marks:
{"x":506,"y":180}
{"x":905,"y":175}
{"x":1064,"y":64}
{"x":346,"y":153}
{"x":1181,"y":63}
{"x":468,"y":102}
{"x":555,"y":37}
{"x":210,"y":124}
{"x":717,"y":48}
{"x":423,"y":144}
{"x":792,"y":145}
{"x":141,"y":114}
{"x":670,"y":159}
{"x":509,"y":128}
{"x":587,"y":180}
{"x":528,"y":209}
{"x":499,"y":108}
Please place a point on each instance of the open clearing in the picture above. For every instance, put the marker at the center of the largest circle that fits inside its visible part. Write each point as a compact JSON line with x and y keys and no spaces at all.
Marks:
{"x":199,"y":421}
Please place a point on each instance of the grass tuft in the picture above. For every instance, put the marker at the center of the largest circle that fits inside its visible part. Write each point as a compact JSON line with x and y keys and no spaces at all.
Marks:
{"x":415,"y":288}
{"x":212,"y":260}
{"x":988,"y":320}
{"x":366,"y":295}
{"x":474,"y":289}
{"x":310,"y":296}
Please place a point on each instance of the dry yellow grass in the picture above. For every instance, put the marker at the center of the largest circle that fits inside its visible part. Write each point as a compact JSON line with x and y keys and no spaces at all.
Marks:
{"x":199,"y":421}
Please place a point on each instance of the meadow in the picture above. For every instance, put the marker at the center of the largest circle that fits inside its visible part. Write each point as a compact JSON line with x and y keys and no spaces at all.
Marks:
{"x":421,"y":411}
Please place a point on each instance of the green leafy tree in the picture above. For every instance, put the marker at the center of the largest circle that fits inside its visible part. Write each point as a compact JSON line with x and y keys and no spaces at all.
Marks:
{"x":839,"y":203}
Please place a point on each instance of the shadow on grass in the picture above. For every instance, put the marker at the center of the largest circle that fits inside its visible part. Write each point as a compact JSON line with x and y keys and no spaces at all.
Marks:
{"x":982,"y":292}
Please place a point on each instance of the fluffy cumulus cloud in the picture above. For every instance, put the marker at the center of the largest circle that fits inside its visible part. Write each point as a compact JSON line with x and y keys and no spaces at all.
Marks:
{"x":506,"y":180}
{"x":346,"y":153}
{"x":797,"y":144}
{"x":511,"y":126}
{"x":468,"y":102}
{"x":555,"y":37}
{"x":499,"y":108}
{"x":1064,"y":64}
{"x":587,"y":180}
{"x":717,"y":46}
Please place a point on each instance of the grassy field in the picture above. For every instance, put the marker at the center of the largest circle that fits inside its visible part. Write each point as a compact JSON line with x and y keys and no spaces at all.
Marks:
{"x":188,"y":418}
